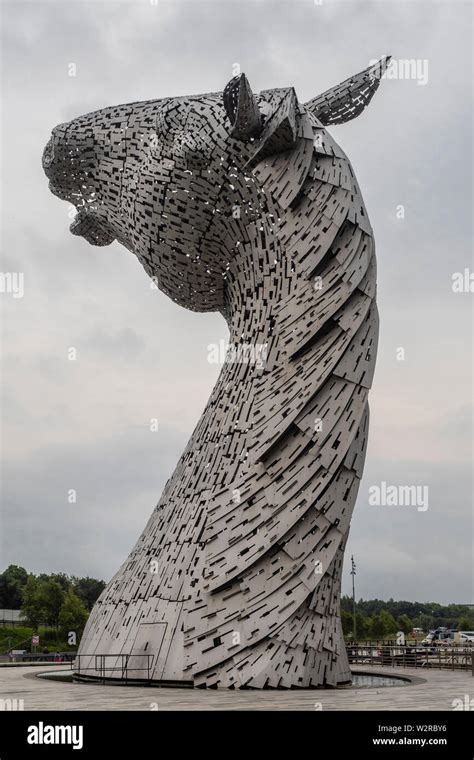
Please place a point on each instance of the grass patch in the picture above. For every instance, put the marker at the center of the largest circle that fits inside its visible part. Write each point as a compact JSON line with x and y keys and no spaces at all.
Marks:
{"x":19,"y":637}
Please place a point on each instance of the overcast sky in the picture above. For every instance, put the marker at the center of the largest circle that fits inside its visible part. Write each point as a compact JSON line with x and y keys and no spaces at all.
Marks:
{"x":85,"y":424}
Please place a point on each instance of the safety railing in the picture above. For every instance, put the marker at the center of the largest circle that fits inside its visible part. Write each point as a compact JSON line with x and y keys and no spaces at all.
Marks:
{"x":451,"y":658}
{"x":103,"y":666}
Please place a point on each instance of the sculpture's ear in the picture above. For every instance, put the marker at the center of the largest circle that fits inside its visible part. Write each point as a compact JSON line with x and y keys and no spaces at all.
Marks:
{"x":281,"y":130}
{"x":348,"y":99}
{"x":242,"y":109}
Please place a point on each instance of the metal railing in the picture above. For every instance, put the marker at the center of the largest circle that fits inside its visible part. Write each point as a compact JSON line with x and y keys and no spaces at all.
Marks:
{"x":38,"y":657}
{"x":407,"y":643}
{"x":50,"y":657}
{"x":102,"y":670}
{"x":395,"y":656}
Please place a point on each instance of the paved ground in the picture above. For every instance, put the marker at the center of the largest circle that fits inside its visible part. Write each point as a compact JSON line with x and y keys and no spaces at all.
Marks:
{"x":436,"y":691}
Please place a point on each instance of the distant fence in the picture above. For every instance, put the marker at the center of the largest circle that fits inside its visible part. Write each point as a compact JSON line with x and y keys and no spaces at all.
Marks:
{"x":40,"y":657}
{"x":11,"y":618}
{"x":408,"y":643}
{"x":457,"y":657}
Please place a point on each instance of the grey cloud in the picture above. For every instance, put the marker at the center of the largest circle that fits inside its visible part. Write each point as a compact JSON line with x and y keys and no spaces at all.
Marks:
{"x":124,"y":343}
{"x":117,"y":479}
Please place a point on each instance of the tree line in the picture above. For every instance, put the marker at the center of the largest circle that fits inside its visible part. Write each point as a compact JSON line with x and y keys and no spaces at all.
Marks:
{"x":376,"y":618}
{"x":64,"y":602}
{"x":56,"y":600}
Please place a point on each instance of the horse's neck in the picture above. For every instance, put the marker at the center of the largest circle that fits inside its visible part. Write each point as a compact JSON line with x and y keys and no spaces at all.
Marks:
{"x":217,"y":453}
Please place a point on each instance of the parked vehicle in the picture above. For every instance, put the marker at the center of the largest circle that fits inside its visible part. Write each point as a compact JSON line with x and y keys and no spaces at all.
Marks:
{"x":441,"y":635}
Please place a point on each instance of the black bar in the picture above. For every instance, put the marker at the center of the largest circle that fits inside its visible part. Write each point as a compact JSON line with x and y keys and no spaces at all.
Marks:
{"x":128,"y":734}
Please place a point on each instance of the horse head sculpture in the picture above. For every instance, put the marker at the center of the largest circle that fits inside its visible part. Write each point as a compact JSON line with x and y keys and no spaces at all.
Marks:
{"x":240,"y":203}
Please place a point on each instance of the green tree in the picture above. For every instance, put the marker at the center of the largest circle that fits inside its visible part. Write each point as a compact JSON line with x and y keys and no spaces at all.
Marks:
{"x":52,"y":595}
{"x":42,"y":600}
{"x":426,"y":622}
{"x":73,"y":615}
{"x":88,"y":590}
{"x":362,"y":624}
{"x":12,"y":582}
{"x":347,"y":622}
{"x":389,"y":622}
{"x":426,"y":615}
{"x":63,"y":580}
{"x":377,"y":627}
{"x":405,"y":624}
{"x":464,"y":624}
{"x":32,"y":604}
